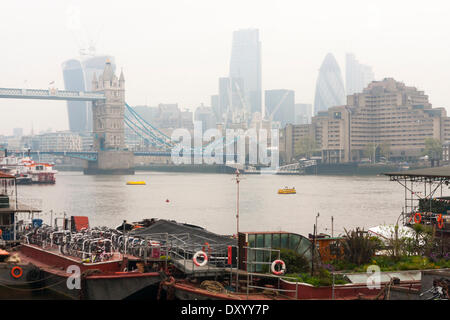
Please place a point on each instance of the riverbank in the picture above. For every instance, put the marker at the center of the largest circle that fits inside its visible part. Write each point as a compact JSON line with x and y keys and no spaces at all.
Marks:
{"x":345,"y":169}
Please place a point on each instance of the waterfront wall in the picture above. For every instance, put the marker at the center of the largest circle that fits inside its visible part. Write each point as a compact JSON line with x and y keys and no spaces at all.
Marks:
{"x":188,"y":168}
{"x":353,"y":169}
{"x":111,"y":162}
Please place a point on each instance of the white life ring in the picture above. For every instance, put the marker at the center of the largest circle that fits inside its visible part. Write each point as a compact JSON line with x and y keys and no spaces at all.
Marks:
{"x":205,"y":258}
{"x":283,"y":267}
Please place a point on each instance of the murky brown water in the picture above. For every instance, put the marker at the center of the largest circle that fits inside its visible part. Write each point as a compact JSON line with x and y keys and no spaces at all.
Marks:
{"x":209,"y":200}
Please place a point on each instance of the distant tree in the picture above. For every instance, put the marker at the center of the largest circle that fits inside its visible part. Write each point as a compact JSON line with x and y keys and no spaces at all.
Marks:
{"x":370,"y":151}
{"x":306,"y":146}
{"x":433,"y":149}
{"x":385,"y":149}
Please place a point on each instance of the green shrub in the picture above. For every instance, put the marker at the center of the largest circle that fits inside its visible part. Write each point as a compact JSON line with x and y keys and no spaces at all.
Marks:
{"x":359,"y":247}
{"x":324,"y":278}
{"x":389,"y":263}
{"x":295,"y":263}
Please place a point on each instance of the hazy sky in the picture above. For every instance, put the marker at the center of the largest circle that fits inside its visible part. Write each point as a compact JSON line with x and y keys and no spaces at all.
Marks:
{"x":174,"y":51}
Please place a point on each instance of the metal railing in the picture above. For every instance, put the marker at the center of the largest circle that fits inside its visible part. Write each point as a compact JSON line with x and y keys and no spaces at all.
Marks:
{"x":268,"y":257}
{"x":278,"y":289}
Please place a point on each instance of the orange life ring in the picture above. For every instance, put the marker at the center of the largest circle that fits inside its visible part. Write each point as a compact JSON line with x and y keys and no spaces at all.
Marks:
{"x":16,"y":275}
{"x":415,"y":217}
{"x":440,"y":221}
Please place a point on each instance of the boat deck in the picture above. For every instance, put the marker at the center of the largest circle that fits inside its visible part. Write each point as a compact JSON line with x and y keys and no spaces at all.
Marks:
{"x":191,"y":291}
{"x":51,"y":260}
{"x":188,"y":267}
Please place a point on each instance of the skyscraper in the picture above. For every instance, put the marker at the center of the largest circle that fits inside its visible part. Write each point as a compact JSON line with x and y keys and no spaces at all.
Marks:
{"x":74,"y":80}
{"x":280,"y":106}
{"x":78,"y":75}
{"x":357,"y":75}
{"x":245,"y":63}
{"x":206,"y":116}
{"x":329,"y":87}
{"x":236,"y":95}
{"x":215,"y":107}
{"x":303,"y":113}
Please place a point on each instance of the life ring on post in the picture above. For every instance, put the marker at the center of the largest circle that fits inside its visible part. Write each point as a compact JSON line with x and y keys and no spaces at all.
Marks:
{"x":205,"y":258}
{"x":415,"y":217}
{"x":283,"y":267}
{"x":15,"y":274}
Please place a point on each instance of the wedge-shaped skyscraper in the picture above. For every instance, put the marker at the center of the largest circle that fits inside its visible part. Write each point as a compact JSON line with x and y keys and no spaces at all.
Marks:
{"x":330,"y":90}
{"x":245,"y":64}
{"x":78,"y":74}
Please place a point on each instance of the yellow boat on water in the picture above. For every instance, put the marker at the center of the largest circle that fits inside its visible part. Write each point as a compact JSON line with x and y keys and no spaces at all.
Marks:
{"x":287,"y":190}
{"x":136,"y":183}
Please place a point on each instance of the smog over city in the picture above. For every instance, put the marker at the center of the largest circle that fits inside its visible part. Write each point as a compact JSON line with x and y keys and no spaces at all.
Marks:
{"x":175,"y":51}
{"x":242,"y":150}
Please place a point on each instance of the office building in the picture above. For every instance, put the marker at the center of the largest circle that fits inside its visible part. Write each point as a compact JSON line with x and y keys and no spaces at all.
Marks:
{"x":280,"y":106}
{"x":245,"y":63}
{"x":303,"y":113}
{"x":17,"y":132}
{"x":386,"y":114}
{"x":206,"y":116}
{"x":357,"y":75}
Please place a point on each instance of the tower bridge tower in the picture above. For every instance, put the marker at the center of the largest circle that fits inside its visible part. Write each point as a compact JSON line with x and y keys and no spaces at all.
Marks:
{"x":108,"y":126}
{"x":108,"y":115}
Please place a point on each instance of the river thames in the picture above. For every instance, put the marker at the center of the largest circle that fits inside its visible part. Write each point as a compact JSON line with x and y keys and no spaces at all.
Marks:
{"x":209,"y":200}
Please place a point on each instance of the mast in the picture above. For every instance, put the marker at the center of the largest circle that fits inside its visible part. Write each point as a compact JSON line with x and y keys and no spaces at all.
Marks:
{"x":238,"y":179}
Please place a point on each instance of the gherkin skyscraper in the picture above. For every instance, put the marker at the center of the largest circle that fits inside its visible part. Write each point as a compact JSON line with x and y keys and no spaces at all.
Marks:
{"x":330,"y":89}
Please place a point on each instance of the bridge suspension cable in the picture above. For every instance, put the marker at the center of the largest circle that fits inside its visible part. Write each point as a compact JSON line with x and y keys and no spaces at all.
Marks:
{"x":156,"y":137}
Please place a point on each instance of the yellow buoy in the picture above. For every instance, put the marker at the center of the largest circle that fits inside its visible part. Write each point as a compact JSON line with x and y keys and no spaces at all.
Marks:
{"x":136,"y":182}
{"x":287,"y":190}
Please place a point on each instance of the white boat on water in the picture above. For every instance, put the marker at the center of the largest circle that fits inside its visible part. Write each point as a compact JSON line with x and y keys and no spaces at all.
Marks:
{"x":28,"y":171}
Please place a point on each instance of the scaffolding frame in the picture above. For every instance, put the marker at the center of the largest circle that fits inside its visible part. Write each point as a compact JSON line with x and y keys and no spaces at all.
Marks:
{"x":432,"y":187}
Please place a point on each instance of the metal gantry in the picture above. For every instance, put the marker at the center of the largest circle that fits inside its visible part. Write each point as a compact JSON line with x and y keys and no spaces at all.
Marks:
{"x":431,"y":184}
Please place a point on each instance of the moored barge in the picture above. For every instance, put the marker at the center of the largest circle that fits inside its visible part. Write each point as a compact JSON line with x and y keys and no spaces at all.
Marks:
{"x":74,"y":260}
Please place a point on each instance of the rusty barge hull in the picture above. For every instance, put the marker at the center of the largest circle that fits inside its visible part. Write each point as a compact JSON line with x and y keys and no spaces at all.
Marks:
{"x":98,"y":281}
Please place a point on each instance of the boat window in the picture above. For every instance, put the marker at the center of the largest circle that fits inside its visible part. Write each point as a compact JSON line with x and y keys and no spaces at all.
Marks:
{"x":5,"y":219}
{"x":268,"y":240}
{"x":294,"y":240}
{"x":251,"y":240}
{"x":284,"y":240}
{"x":259,"y":241}
{"x":304,"y":248}
{"x":251,"y":256}
{"x":307,"y":254}
{"x":276,"y":240}
{"x":259,"y":258}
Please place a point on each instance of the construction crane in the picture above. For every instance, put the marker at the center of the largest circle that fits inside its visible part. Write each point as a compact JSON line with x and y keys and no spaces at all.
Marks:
{"x":270,"y":117}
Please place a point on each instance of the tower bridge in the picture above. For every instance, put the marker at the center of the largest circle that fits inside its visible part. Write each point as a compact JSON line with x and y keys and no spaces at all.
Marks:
{"x":108,"y":108}
{"x":110,"y":114}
